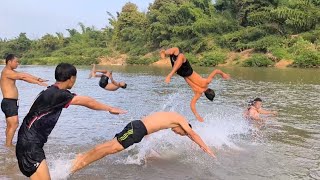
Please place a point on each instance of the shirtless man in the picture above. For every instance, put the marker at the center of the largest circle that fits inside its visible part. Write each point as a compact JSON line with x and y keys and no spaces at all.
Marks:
{"x":42,"y":118}
{"x":198,"y":84}
{"x":134,"y":133}
{"x":255,"y":109}
{"x":9,"y":104}
{"x":104,"y":80}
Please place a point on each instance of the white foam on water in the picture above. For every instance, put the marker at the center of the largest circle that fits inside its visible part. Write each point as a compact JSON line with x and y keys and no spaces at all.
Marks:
{"x":221,"y":129}
{"x":60,"y":168}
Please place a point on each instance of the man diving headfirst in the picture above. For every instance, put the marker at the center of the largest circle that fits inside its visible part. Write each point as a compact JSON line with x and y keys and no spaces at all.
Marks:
{"x":104,"y":79}
{"x":198,"y":84}
{"x":134,"y":133}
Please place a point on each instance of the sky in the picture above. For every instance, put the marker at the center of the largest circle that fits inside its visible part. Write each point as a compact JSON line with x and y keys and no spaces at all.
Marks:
{"x":39,"y":17}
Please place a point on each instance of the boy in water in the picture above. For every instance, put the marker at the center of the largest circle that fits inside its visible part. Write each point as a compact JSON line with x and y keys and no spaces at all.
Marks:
{"x":198,"y":84}
{"x":255,"y":109}
{"x":134,"y":133}
{"x":43,"y":116}
{"x":9,"y":104}
{"x":104,"y":80}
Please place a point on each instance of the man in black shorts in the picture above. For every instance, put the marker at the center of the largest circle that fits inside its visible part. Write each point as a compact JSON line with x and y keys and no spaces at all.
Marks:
{"x":9,"y":104}
{"x":104,"y":79}
{"x":134,"y":133}
{"x":198,"y":84}
{"x":42,"y":118}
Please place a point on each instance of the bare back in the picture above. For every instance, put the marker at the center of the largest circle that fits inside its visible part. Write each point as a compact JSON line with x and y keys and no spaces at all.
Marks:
{"x":162,"y":120}
{"x":8,"y":86}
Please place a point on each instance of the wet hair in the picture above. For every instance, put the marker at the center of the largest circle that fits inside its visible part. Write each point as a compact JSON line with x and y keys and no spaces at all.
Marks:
{"x":65,"y":71}
{"x":257,"y":100}
{"x":251,"y":103}
{"x":10,"y":57}
{"x":190,"y":125}
{"x":210,"y":94}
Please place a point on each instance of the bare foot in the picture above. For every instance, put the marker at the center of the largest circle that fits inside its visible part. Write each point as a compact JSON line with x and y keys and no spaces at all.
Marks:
{"x":77,"y":163}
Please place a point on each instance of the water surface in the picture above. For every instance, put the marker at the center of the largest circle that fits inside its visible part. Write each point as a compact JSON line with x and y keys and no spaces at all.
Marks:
{"x":288,"y":147}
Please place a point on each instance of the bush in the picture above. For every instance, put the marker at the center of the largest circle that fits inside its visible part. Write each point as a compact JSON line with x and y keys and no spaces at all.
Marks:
{"x":266,"y":43}
{"x":75,"y":60}
{"x":192,"y":58}
{"x":307,"y":59}
{"x":141,"y":60}
{"x":213,"y":58}
{"x":258,"y":60}
{"x":281,"y":53}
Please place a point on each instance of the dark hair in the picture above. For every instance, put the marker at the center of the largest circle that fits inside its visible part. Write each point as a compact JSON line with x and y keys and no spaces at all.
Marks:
{"x":190,"y":125}
{"x":65,"y":71}
{"x":10,"y":57}
{"x":210,"y":94}
{"x":257,"y":100}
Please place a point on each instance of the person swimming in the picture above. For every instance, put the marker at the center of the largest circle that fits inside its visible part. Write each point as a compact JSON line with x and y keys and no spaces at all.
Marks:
{"x":255,"y":109}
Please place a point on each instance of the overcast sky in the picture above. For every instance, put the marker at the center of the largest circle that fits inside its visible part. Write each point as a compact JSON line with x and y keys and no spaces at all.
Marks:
{"x":39,"y":17}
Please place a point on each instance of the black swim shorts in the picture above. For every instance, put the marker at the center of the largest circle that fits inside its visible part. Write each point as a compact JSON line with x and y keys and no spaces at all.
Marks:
{"x":132,"y":133}
{"x":103,"y":81}
{"x":9,"y":107}
{"x":29,"y":156}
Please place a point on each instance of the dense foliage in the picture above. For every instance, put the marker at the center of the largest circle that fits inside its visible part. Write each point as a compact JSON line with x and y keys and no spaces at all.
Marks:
{"x":203,"y":30}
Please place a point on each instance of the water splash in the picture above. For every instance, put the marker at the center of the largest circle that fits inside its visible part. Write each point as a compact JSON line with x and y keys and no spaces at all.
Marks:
{"x":60,"y":168}
{"x":222,"y":128}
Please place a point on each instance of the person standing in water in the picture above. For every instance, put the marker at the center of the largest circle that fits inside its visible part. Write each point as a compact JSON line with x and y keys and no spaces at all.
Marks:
{"x":9,"y":104}
{"x":198,"y":84}
{"x":134,"y":133}
{"x":255,"y":109}
{"x":104,"y":79}
{"x":42,"y":118}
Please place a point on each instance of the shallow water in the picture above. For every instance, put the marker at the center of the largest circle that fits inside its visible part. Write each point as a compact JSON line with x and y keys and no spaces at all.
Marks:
{"x":288,"y":147}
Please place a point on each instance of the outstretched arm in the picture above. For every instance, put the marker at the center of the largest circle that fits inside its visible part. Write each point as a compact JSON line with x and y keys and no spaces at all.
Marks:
{"x":34,"y":77}
{"x":193,"y":106}
{"x":27,"y":78}
{"x":262,"y":111}
{"x":95,"y":105}
{"x":195,"y":137}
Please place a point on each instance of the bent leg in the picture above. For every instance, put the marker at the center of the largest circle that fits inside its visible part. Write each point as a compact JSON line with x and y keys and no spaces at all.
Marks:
{"x":42,"y":172}
{"x":12,"y":125}
{"x":100,"y":151}
{"x":112,"y":87}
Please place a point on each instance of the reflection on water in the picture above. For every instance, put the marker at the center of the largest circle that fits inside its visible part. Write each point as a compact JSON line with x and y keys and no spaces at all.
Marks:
{"x":286,"y":148}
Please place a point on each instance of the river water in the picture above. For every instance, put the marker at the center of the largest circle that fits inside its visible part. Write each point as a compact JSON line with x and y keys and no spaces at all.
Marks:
{"x":287,"y":147}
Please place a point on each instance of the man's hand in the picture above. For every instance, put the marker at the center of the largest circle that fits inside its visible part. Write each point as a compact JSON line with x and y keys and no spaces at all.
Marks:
{"x":168,"y":79}
{"x":42,"y":80}
{"x":225,"y":76}
{"x":42,"y":84}
{"x":114,"y":110}
{"x":208,"y":151}
{"x":199,"y":118}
